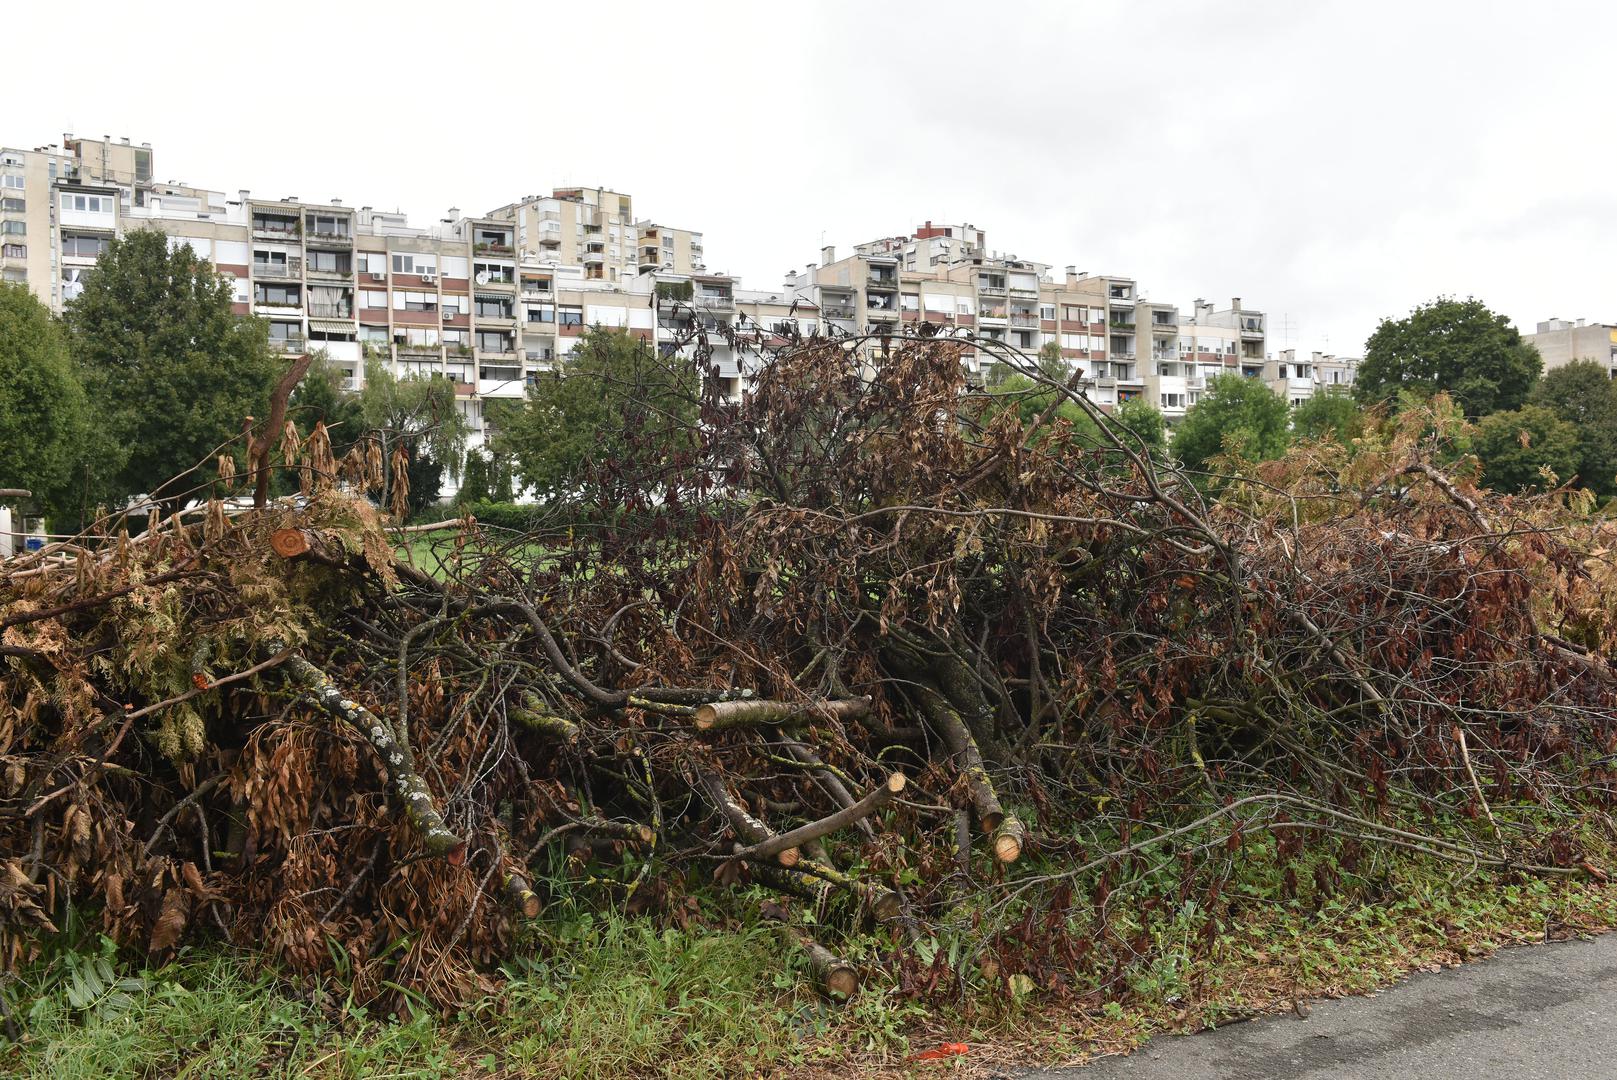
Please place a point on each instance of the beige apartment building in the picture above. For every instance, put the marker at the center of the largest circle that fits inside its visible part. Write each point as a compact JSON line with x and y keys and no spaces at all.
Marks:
{"x":1561,"y":341}
{"x":1124,"y":345}
{"x":488,"y":302}
{"x":1297,"y":379}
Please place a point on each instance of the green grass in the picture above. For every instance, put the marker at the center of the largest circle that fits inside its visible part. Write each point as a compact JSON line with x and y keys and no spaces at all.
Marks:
{"x":612,"y":997}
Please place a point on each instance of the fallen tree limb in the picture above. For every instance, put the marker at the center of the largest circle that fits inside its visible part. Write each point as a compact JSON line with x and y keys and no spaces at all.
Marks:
{"x":879,"y":796}
{"x":396,"y":755}
{"x":719,"y":715}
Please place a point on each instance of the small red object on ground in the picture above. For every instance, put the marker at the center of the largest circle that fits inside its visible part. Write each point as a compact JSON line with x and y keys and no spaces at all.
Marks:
{"x":945,"y":1050}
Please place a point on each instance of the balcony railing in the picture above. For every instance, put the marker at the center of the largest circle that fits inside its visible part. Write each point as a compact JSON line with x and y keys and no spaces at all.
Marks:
{"x":837,"y":312}
{"x":492,"y":249}
{"x":277,"y":228}
{"x":327,"y":237}
{"x":716,"y":302}
{"x":991,"y":290}
{"x":290,"y":269}
{"x":1025,"y":320}
{"x":287,"y":344}
{"x":331,"y":311}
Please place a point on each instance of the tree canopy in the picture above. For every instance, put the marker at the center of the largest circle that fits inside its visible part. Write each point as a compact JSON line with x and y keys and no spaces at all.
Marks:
{"x":1327,"y":416}
{"x":1516,"y":446}
{"x":420,"y":412}
{"x":1458,"y":346}
{"x":613,"y":393}
{"x":169,"y":370}
{"x":1582,"y":394}
{"x":1236,"y":415}
{"x":44,"y":418}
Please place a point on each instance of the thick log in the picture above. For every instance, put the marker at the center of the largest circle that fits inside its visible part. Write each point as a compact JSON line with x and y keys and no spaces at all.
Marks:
{"x":395,"y":752}
{"x":718,"y":715}
{"x":520,"y":895}
{"x":879,"y":796}
{"x":1009,"y":838}
{"x":833,"y":976}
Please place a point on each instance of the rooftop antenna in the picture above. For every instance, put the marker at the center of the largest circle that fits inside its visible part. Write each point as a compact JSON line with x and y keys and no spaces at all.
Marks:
{"x":1288,"y":328}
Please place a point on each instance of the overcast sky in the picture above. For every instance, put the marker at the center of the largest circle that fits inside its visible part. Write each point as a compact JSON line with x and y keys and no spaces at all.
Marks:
{"x":1328,"y":162}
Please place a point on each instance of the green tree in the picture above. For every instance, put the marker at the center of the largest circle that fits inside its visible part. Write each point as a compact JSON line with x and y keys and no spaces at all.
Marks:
{"x":1582,"y":394}
{"x":1455,"y":345}
{"x":1030,"y":397}
{"x":1327,"y":416}
{"x":1515,"y":446}
{"x":420,"y":412}
{"x":1146,"y":427}
{"x":615,"y":397}
{"x":45,"y":432}
{"x":1236,"y":415}
{"x":168,"y":369}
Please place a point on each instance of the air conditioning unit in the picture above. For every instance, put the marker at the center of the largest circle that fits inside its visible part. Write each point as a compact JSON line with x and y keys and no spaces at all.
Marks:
{"x":377,"y":275}
{"x":449,"y":313}
{"x":429,"y":279}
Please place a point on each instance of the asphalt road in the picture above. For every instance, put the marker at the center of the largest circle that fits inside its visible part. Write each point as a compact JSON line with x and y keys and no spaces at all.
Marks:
{"x":1549,"y":1011}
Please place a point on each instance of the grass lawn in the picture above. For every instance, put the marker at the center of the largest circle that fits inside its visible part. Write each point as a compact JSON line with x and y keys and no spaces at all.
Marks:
{"x":611,"y":997}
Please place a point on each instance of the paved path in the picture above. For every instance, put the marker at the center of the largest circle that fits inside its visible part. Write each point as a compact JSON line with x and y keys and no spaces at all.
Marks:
{"x":1548,"y":1012}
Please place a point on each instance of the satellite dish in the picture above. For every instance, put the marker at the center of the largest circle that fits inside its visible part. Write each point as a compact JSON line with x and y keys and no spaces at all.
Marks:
{"x":482,"y":277}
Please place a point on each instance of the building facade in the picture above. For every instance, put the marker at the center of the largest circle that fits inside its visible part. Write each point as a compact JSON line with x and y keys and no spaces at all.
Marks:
{"x":1561,"y":341}
{"x":488,"y":302}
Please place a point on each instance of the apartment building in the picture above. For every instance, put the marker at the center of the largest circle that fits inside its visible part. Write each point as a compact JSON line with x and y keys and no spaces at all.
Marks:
{"x":1124,"y":345}
{"x":596,"y":229}
{"x":1297,"y":379}
{"x":1561,"y":341}
{"x":490,"y":301}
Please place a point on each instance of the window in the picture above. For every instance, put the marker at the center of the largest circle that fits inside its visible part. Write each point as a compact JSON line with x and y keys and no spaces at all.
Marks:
{"x":13,"y":205}
{"x":455,"y":303}
{"x":418,"y":337}
{"x":494,"y":341}
{"x":1047,"y":312}
{"x":1173,"y":401}
{"x":84,"y":247}
{"x":487,"y":272}
{"x":330,"y":302}
{"x":91,"y":204}
{"x":372,"y":298}
{"x":404,"y":300}
{"x":374,"y":334}
{"x":13,"y":251}
{"x":13,"y":275}
{"x":489,"y":308}
{"x":332,"y":262}
{"x":326,"y":225}
{"x":570,"y":316}
{"x":284,"y":331}
{"x":541,"y":313}
{"x":909,"y":302}
{"x":415,"y":264}
{"x":458,"y":339}
{"x":286,"y":295}
{"x":13,"y":228}
{"x":372,"y":262}
{"x":10,"y":181}
{"x":668,"y":243}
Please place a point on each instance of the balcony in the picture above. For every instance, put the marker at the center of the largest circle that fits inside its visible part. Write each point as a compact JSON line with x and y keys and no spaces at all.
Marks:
{"x":991,"y":290}
{"x":287,"y":344}
{"x":716,"y":301}
{"x":492,"y":249}
{"x":539,"y":289}
{"x":884,"y":283}
{"x":331,"y":311}
{"x":550,"y":239}
{"x":1163,"y":328}
{"x":1031,"y":321}
{"x":277,"y":230}
{"x":329,"y":239}
{"x":594,"y":258}
{"x":837,"y":311}
{"x":330,"y":275}
{"x":291,"y":269}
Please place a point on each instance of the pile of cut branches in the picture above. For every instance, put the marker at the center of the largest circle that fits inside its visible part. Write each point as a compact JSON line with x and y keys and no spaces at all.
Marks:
{"x":875,"y":646}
